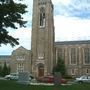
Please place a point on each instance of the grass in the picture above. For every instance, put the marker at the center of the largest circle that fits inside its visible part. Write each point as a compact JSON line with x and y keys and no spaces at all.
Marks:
{"x":12,"y":85}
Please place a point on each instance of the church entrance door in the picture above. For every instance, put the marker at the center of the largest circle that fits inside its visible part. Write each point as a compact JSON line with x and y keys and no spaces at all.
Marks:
{"x":40,"y":70}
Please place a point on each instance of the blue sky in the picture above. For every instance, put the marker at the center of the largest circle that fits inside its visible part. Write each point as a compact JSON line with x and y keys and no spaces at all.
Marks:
{"x":71,"y":21}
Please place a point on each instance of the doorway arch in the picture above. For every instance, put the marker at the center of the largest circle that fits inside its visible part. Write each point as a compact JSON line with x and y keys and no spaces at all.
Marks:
{"x":40,"y":70}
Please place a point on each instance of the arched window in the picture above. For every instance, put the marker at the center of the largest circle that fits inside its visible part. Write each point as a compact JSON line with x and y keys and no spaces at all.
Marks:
{"x":42,"y":17}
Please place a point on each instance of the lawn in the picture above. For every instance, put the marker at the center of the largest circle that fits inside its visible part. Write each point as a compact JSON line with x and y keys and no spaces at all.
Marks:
{"x":12,"y":85}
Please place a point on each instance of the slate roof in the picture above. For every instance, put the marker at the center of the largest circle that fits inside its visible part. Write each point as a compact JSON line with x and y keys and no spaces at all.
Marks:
{"x":72,"y":42}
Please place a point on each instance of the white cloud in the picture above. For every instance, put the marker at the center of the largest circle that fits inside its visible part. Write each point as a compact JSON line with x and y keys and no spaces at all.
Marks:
{"x":24,"y":35}
{"x":55,"y":1}
{"x":70,"y":28}
{"x":66,"y":28}
{"x":65,"y":2}
{"x":5,"y":50}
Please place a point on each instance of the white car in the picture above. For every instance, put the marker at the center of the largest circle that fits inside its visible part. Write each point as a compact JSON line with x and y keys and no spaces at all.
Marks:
{"x":83,"y":79}
{"x":12,"y":76}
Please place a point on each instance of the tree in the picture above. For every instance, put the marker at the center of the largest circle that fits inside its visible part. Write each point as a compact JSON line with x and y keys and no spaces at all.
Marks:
{"x":9,"y":69}
{"x":10,"y":16}
{"x":5,"y":70}
{"x":0,"y":70}
{"x":60,"y":67}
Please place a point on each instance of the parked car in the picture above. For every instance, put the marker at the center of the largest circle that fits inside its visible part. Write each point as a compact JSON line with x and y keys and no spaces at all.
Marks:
{"x":12,"y":76}
{"x":83,"y":79}
{"x":50,"y":79}
{"x":47,"y":79}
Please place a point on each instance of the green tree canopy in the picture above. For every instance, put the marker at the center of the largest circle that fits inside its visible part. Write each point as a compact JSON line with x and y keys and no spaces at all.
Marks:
{"x":10,"y":16}
{"x":0,"y":70}
{"x":60,"y":67}
{"x":5,"y":70}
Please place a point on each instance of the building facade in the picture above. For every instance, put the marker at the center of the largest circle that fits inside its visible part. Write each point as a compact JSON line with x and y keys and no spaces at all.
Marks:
{"x":42,"y":45}
{"x":18,"y":61}
{"x":45,"y":52}
{"x":76,"y":55}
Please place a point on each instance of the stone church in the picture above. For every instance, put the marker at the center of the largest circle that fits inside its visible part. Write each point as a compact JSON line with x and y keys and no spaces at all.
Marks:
{"x":45,"y":51}
{"x":42,"y":44}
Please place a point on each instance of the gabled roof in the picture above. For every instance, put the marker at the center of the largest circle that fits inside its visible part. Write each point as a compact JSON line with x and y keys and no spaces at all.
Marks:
{"x":20,"y":48}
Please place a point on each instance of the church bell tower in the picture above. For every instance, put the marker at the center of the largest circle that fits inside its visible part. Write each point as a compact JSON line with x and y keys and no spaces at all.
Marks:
{"x":42,"y":44}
